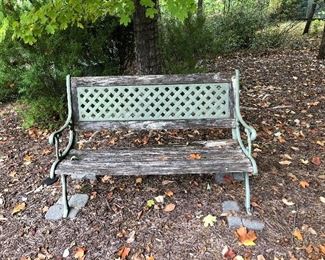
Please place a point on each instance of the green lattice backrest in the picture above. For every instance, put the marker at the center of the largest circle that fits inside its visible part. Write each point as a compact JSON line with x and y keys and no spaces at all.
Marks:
{"x":152,"y":101}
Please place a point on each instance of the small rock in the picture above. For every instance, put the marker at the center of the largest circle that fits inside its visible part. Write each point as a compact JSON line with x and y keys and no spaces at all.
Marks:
{"x":254,"y":224}
{"x":234,"y":221}
{"x":230,"y":205}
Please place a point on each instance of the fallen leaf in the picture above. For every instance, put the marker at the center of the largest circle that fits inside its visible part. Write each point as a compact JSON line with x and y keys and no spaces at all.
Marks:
{"x":45,"y":209}
{"x":47,"y":151}
{"x":304,"y":184}
{"x":150,"y":203}
{"x":321,"y":143}
{"x":150,"y":258}
{"x":106,"y":179}
{"x":138,"y":180}
{"x":166,"y":182}
{"x":195,"y":156}
{"x":287,"y":156}
{"x":260,"y":257}
{"x":209,"y":220}
{"x":285,"y":162}
{"x":18,"y":208}
{"x":169,"y":207}
{"x":169,"y":193}
{"x":292,"y":176}
{"x":316,"y":160}
{"x":305,"y":162}
{"x":288,"y":203}
{"x":28,"y":159}
{"x":131,"y":237}
{"x":322,"y":199}
{"x":228,"y":252}
{"x":245,"y":237}
{"x":124,"y":252}
{"x":160,"y":199}
{"x":79,"y":253}
{"x":66,"y":253}
{"x":322,"y":249}
{"x":297,"y":234}
{"x":309,"y":249}
{"x":238,"y":257}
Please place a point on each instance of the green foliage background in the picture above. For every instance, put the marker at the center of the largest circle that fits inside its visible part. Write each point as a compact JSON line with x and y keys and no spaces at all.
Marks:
{"x":91,"y":41}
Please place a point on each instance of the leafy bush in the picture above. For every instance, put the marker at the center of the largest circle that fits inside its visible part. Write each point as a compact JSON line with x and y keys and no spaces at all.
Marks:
{"x":37,"y":73}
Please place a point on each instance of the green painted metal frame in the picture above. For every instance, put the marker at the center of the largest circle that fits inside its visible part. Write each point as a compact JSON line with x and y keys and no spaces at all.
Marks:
{"x":251,"y":136}
{"x":54,"y":139}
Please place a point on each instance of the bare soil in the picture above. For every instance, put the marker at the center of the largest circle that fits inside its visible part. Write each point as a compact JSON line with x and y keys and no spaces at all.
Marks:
{"x":283,"y":97}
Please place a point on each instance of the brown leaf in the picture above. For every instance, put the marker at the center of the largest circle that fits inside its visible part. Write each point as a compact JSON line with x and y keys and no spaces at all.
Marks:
{"x":18,"y":208}
{"x":79,"y":253}
{"x":124,"y":252}
{"x":309,"y":249}
{"x":297,"y":234}
{"x":260,"y":257}
{"x":195,"y":156}
{"x":47,"y":151}
{"x":322,"y":249}
{"x":169,"y":193}
{"x":28,"y":158}
{"x":169,"y":207}
{"x":304,"y":184}
{"x":246,"y":237}
{"x":150,"y":258}
{"x":228,"y":252}
{"x":321,"y":143}
{"x":316,"y":160}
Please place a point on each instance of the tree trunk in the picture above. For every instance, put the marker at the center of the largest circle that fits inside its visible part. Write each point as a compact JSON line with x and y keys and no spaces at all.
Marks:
{"x":321,"y":53}
{"x":199,"y":9}
{"x":310,"y":18}
{"x":147,"y":53}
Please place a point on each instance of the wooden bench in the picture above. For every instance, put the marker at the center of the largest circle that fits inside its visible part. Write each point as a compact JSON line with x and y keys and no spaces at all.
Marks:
{"x":154,"y":102}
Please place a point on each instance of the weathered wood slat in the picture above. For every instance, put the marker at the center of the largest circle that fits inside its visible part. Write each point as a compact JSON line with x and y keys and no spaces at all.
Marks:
{"x":148,"y":80}
{"x":158,"y":160}
{"x":172,"y":124}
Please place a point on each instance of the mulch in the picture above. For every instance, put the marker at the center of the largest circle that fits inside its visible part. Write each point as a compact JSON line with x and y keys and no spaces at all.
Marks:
{"x":283,"y":97}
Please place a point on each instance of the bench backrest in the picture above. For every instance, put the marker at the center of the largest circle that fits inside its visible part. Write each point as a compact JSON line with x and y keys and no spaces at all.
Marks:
{"x":152,"y":102}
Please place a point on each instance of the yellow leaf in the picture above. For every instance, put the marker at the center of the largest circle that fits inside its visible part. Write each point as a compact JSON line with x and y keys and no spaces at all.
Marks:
{"x":169,"y":207}
{"x":297,"y":234}
{"x":209,"y":220}
{"x":150,"y":258}
{"x":195,"y":156}
{"x":304,"y":184}
{"x":80,"y":253}
{"x":321,"y":143}
{"x":18,"y":208}
{"x":138,"y":180}
{"x":245,"y":237}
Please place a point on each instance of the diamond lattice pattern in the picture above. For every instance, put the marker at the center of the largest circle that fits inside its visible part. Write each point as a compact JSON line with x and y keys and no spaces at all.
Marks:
{"x":159,"y":102}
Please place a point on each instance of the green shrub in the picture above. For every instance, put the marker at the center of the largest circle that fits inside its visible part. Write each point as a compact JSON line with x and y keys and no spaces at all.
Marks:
{"x":37,"y":73}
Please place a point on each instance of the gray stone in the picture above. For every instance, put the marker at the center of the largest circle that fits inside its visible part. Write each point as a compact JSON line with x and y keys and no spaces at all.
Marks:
{"x":234,"y":221}
{"x":76,"y":202}
{"x":253,"y":223}
{"x":230,"y":206}
{"x":54,"y":212}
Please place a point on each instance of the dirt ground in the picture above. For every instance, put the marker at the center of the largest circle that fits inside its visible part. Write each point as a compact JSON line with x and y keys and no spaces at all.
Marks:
{"x":283,"y":97}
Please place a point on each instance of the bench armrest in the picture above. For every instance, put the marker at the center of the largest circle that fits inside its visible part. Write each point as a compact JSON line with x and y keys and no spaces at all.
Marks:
{"x":54,"y":138}
{"x":249,"y":130}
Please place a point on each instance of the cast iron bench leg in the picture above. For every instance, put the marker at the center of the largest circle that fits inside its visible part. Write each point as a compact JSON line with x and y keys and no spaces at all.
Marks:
{"x":64,"y":196}
{"x":247,"y":194}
